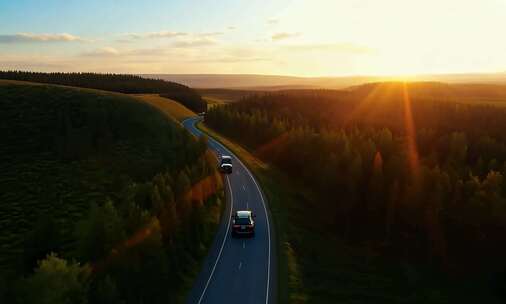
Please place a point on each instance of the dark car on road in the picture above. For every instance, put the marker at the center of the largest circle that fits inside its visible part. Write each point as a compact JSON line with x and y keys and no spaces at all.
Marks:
{"x":243,"y":223}
{"x":226,"y":164}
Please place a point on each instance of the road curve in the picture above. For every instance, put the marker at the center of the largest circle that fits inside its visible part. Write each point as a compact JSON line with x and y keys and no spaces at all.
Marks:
{"x":237,"y":270}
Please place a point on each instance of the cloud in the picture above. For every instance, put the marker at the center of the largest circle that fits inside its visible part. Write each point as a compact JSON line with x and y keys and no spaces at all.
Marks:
{"x":39,"y":38}
{"x":284,"y":35}
{"x":30,"y":64}
{"x":272,"y":21}
{"x":151,"y":52}
{"x":35,"y":62}
{"x":130,"y":37}
{"x":332,"y":47}
{"x":151,"y":35}
{"x":231,"y":59}
{"x":102,"y":52}
{"x":209,"y":34}
{"x":194,"y":42}
{"x":112,"y":52}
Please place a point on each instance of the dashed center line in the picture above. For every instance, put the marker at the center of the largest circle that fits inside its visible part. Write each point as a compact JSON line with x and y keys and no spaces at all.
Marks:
{"x":243,"y":244}
{"x":191,"y":126}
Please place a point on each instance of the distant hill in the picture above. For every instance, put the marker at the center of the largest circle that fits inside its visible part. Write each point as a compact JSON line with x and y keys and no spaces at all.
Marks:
{"x":229,"y":81}
{"x":276,"y":82}
{"x":493,"y":94}
{"x":463,"y":93}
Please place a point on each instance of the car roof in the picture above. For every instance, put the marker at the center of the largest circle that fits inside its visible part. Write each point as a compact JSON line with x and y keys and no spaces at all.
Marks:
{"x":243,"y":213}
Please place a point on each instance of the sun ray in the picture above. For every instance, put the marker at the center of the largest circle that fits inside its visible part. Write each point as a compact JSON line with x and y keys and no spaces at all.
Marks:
{"x":409,"y":124}
{"x":366,"y":108}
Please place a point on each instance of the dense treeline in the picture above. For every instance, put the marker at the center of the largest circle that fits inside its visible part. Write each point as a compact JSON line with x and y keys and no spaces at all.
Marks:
{"x":129,"y":84}
{"x":103,"y":198}
{"x":412,"y":178}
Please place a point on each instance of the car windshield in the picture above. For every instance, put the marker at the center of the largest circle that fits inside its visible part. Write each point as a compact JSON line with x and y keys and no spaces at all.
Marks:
{"x":226,"y":161}
{"x":242,"y":221}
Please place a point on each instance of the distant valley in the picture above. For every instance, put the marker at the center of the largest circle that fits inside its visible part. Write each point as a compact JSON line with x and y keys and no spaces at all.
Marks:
{"x":274,"y":82}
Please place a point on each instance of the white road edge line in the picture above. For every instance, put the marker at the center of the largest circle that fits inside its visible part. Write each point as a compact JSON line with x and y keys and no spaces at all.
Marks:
{"x":268,"y":225}
{"x":222,"y":244}
{"x":228,"y":225}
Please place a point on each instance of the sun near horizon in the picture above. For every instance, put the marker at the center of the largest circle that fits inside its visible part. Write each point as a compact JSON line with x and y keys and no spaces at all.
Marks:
{"x":282,"y":37}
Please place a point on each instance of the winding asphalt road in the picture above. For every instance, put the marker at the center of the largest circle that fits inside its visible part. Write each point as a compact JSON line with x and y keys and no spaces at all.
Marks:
{"x":237,"y":270}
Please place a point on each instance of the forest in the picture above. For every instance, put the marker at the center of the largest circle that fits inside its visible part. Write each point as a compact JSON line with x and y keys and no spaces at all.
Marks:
{"x":103,"y":198}
{"x":128,"y":84}
{"x":415,"y":179}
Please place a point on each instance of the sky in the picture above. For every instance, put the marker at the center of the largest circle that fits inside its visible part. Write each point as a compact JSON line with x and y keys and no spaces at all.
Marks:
{"x":276,"y":37}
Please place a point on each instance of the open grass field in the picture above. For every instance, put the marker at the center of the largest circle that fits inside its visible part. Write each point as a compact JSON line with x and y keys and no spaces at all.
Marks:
{"x":170,"y":107}
{"x":220,"y":96}
{"x":213,"y":102}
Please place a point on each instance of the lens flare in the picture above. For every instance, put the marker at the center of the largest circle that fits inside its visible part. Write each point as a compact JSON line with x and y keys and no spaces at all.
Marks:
{"x":198,"y":194}
{"x":269,"y":148}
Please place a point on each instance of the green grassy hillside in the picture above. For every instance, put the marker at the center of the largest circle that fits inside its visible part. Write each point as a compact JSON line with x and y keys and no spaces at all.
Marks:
{"x":122,"y":83}
{"x":170,"y":107}
{"x":64,"y":150}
